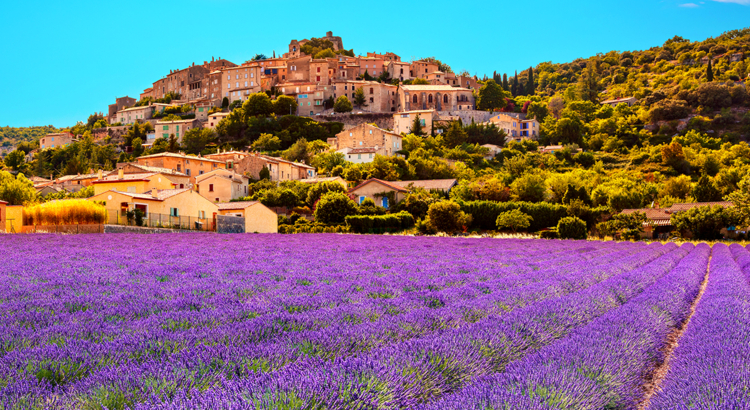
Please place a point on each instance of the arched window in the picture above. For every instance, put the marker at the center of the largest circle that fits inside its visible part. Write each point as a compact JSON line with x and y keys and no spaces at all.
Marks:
{"x":414,"y":99}
{"x":445,"y":99}
{"x":372,"y":90}
{"x":429,"y":98}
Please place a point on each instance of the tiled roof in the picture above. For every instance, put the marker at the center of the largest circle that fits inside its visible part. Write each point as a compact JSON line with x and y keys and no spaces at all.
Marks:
{"x":183,"y":156}
{"x":684,"y":207}
{"x":443,"y":184}
{"x":160,"y":195}
{"x":317,"y":180}
{"x":424,"y":87}
{"x":389,"y":184}
{"x":126,"y":177}
{"x":159,"y":170}
{"x":651,"y":213}
{"x":365,"y":150}
{"x":236,"y":205}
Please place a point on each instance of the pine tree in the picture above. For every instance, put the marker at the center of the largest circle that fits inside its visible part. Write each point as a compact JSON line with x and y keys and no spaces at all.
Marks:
{"x":506,"y":87}
{"x":709,"y":71}
{"x":514,"y":87}
{"x":530,"y":84}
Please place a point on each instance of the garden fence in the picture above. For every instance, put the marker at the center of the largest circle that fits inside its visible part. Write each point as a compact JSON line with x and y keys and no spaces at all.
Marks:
{"x":154,"y":220}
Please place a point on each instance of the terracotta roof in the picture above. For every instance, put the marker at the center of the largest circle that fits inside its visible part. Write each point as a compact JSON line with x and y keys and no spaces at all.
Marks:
{"x":443,"y":184}
{"x":424,"y":87}
{"x":623,"y":99}
{"x":126,"y":177}
{"x":160,"y":195}
{"x":173,"y":155}
{"x":364,"y":150}
{"x":317,"y":180}
{"x":236,"y":205}
{"x":651,"y":213}
{"x":159,"y":170}
{"x":3,"y":202}
{"x":389,"y":184}
{"x":684,"y":207}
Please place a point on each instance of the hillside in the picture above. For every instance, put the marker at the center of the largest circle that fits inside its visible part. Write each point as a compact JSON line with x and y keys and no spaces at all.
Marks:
{"x":11,"y":136}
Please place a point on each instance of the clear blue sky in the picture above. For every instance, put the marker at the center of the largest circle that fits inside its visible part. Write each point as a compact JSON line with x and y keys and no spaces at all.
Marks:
{"x":62,"y":61}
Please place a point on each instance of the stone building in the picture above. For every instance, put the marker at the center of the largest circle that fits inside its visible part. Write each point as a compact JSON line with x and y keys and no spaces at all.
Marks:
{"x":398,"y":69}
{"x":365,"y":141}
{"x":134,"y":114}
{"x":188,"y":83}
{"x":120,"y":104}
{"x":379,"y":97}
{"x":190,"y":165}
{"x":434,"y":97}
{"x":420,"y":68}
{"x":403,"y":121}
{"x":164,"y":129}
{"x":279,"y":169}
{"x":296,"y":46}
{"x":373,"y":66}
{"x":387,"y":57}
{"x":57,"y":140}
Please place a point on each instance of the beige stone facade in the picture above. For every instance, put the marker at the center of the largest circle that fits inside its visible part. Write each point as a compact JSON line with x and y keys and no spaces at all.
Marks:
{"x":515,"y":127}
{"x":164,"y":129}
{"x":189,"y":165}
{"x":403,"y":121}
{"x":367,"y":136}
{"x":258,"y":218}
{"x":434,"y":97}
{"x":279,"y":169}
{"x":420,"y":68}
{"x":120,"y":104}
{"x":187,"y":82}
{"x":398,"y":70}
{"x":57,"y":140}
{"x":222,"y":185}
{"x":379,"y":97}
{"x":132,"y":115}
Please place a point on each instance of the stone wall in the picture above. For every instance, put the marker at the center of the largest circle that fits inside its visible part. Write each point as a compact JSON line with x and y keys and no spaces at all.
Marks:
{"x":382,"y":120}
{"x":140,"y":229}
{"x":467,"y":115}
{"x":230,"y":224}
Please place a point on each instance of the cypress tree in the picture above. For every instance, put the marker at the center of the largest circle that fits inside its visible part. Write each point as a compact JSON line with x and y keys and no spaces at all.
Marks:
{"x":530,"y":84}
{"x":514,"y":87}
{"x":709,"y":71}
{"x":506,"y":87}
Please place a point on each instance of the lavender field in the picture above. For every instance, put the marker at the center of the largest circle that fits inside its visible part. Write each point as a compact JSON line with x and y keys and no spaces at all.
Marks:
{"x":201,"y":321}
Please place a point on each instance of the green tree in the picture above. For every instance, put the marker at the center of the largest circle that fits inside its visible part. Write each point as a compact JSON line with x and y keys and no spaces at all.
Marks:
{"x":137,"y":147}
{"x":224,"y":103}
{"x":446,"y":216}
{"x":285,"y":105}
{"x":455,"y":136}
{"x":316,"y":191}
{"x":297,"y":152}
{"x":359,"y":97}
{"x":506,"y":87}
{"x":264,"y":173}
{"x":342,"y":104}
{"x":15,"y":160}
{"x":258,"y":104}
{"x":572,"y":227}
{"x":741,"y":200}
{"x":491,"y":97}
{"x":705,"y":222}
{"x":537,"y":110}
{"x":709,"y":71}
{"x":173,"y":144}
{"x":529,"y":188}
{"x":196,"y":139}
{"x":626,"y":226}
{"x":513,"y":220}
{"x":416,"y":126}
{"x":266,"y":142}
{"x":16,"y":190}
{"x":334,"y":207}
{"x":705,"y":190}
{"x":530,"y":82}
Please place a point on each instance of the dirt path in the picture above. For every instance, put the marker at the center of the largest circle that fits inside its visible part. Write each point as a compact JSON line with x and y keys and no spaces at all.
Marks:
{"x":657,"y":375}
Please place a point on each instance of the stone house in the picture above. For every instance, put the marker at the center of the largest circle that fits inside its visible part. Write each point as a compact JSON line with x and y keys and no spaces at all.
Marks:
{"x":361,"y":143}
{"x":421,"y":68}
{"x":120,"y":104}
{"x":402,"y":121}
{"x":515,"y":126}
{"x":134,"y":114}
{"x":388,"y":193}
{"x":57,"y":140}
{"x":398,"y":69}
{"x":387,"y":57}
{"x":189,"y":165}
{"x":625,"y":100}
{"x":165,"y":207}
{"x":379,"y":97}
{"x":373,"y":66}
{"x":188,"y":82}
{"x":164,"y":129}
{"x":138,"y":182}
{"x":222,"y":185}
{"x":258,"y":218}
{"x":215,"y":118}
{"x":279,"y":169}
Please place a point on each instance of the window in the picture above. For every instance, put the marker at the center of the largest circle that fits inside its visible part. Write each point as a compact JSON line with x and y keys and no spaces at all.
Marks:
{"x":362,"y":199}
{"x":445,"y":99}
{"x":210,"y":187}
{"x":414,"y":99}
{"x":173,"y":212}
{"x":372,"y":90}
{"x":429,"y":98}
{"x":187,"y":172}
{"x":200,"y":172}
{"x":359,"y":156}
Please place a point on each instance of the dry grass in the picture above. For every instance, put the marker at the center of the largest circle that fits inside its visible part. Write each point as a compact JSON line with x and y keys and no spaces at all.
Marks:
{"x":65,"y":212}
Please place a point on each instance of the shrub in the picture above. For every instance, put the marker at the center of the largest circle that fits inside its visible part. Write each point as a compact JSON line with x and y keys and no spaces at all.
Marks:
{"x":513,"y":220}
{"x":446,"y":216}
{"x":666,"y":110}
{"x":334,"y":207}
{"x":379,"y":223}
{"x":484,"y":213}
{"x":552,"y":234}
{"x":572,"y":228}
{"x":65,"y":212}
{"x":704,"y":222}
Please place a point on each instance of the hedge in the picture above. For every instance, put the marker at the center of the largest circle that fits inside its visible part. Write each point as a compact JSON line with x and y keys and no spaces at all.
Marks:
{"x":484,"y":213}
{"x":379,"y":223}
{"x":313,"y":228}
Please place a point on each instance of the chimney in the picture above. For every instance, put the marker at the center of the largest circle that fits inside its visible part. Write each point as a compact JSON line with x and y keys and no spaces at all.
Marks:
{"x":120,"y":173}
{"x":154,"y":192}
{"x":99,"y":175}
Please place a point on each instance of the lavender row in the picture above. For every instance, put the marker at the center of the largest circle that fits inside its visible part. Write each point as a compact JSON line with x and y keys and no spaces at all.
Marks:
{"x":601,"y":365}
{"x":406,"y":374}
{"x":710,"y":368}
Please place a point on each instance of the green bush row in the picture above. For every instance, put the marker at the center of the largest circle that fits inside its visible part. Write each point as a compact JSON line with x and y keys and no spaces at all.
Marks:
{"x":313,"y":228}
{"x":379,"y":223}
{"x":484,"y":213}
